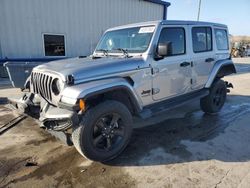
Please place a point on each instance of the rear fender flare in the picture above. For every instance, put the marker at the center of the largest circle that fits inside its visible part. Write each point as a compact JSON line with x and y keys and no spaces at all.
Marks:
{"x":221,"y":68}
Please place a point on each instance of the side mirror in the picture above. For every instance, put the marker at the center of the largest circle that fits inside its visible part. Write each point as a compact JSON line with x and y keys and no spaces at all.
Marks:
{"x":164,"y":49}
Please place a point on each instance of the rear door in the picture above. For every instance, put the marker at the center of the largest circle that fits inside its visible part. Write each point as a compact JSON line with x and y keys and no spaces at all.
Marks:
{"x":172,"y":75}
{"x":203,"y":55}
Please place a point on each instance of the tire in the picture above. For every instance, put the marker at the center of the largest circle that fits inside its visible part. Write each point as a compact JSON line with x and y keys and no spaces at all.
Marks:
{"x":213,"y":102}
{"x":91,"y":137}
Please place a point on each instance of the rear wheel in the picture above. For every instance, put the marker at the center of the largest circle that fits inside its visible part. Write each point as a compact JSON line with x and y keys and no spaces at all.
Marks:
{"x":104,"y":131}
{"x":213,"y":102}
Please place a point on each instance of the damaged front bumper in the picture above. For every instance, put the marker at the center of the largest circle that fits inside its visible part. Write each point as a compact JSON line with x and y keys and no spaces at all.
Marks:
{"x":56,"y":120}
{"x":51,"y":117}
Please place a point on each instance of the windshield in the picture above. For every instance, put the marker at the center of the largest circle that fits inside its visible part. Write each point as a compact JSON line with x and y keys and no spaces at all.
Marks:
{"x":133,"y":40}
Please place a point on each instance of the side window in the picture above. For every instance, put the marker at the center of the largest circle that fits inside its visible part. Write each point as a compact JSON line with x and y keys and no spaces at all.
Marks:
{"x":221,"y":39}
{"x":202,"y":39}
{"x":176,"y":38}
{"x":54,"y":45}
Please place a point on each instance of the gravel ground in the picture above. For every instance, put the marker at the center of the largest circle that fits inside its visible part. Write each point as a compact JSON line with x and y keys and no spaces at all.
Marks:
{"x":189,"y":150}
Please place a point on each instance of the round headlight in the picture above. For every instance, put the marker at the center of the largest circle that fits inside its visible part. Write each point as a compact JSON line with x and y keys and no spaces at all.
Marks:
{"x":56,"y":86}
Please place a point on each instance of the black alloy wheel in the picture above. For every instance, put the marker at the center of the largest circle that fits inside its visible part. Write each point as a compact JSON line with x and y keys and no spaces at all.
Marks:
{"x":108,"y":132}
{"x":214,"y":101}
{"x":104,"y":131}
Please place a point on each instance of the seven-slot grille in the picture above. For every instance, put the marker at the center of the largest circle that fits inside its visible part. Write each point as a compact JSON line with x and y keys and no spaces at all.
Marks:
{"x":42,"y":85}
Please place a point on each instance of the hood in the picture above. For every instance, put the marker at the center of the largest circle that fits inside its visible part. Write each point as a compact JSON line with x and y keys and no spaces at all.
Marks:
{"x":88,"y":68}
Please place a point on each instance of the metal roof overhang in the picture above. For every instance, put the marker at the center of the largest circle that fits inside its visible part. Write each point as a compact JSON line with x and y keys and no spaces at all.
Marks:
{"x":164,"y":3}
{"x":160,"y":2}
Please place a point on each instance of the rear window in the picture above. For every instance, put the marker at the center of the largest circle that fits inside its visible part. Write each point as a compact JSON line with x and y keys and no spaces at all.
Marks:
{"x":221,"y":39}
{"x":202,"y":39}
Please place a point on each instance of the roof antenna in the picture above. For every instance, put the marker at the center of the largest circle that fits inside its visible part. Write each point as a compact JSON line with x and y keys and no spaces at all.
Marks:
{"x":199,"y":11}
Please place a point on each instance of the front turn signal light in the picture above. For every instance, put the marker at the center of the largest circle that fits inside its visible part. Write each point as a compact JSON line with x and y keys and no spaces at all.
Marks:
{"x":82,"y":105}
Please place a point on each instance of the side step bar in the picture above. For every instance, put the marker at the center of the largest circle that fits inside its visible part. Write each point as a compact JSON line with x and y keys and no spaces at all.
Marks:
{"x":160,"y":107}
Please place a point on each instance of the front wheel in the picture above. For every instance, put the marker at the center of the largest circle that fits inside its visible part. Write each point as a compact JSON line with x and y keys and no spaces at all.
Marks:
{"x":213,"y":102}
{"x":104,"y":131}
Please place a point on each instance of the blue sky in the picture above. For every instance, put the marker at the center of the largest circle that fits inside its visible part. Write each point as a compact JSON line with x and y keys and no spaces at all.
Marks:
{"x":234,"y":13}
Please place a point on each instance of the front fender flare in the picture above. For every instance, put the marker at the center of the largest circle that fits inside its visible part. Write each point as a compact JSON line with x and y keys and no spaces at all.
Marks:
{"x":88,"y":89}
{"x":221,"y":68}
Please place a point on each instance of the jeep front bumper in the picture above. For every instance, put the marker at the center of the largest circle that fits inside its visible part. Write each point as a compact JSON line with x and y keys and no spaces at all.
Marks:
{"x":50,"y":117}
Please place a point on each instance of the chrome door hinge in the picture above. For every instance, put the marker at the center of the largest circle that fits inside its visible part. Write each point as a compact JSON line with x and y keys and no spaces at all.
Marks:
{"x":155,"y":91}
{"x":155,"y":70}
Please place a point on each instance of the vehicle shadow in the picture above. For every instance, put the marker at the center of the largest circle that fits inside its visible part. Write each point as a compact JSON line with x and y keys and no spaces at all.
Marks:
{"x":194,"y":137}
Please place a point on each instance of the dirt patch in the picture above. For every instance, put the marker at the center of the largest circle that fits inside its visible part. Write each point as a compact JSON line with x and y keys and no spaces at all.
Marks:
{"x":64,"y":170}
{"x":56,"y":165}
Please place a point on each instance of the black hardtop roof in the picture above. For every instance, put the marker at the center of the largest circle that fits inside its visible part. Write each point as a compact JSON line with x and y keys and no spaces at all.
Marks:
{"x":187,"y":22}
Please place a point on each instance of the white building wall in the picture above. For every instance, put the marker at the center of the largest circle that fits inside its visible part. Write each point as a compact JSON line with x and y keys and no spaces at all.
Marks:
{"x":23,"y":23}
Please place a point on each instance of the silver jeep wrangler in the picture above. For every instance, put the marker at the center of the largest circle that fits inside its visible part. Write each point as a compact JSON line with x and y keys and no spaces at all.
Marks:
{"x":137,"y":70}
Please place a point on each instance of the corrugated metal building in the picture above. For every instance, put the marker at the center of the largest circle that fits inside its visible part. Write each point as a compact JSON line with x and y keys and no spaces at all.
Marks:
{"x":66,"y":28}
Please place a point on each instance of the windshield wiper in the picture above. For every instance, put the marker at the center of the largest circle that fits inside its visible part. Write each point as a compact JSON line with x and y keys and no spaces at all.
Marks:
{"x":124,"y":51}
{"x":105,"y":52}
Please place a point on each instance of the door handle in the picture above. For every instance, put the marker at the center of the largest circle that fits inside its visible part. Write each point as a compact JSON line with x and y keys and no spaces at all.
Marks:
{"x":209,"y":60}
{"x":185,"y":64}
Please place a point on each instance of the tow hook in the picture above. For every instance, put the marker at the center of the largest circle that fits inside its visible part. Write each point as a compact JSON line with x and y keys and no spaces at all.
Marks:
{"x":229,"y":85}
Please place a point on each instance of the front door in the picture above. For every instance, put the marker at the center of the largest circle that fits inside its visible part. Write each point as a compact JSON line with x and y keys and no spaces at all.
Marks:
{"x":172,"y":74}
